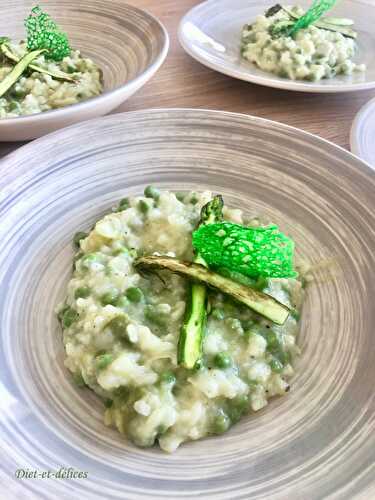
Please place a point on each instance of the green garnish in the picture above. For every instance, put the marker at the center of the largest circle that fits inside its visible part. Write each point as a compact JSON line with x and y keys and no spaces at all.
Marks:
{"x":192,"y":331}
{"x":134,"y":294}
{"x":260,"y":302}
{"x":295,"y":23}
{"x":54,"y":74}
{"x":43,"y":33}
{"x":318,"y":8}
{"x":261,"y":251}
{"x":17,"y":71}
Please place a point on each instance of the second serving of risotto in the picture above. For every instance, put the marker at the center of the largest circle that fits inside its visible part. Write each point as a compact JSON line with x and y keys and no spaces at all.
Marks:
{"x":176,"y":346}
{"x":299,"y":45}
{"x":43,"y":72}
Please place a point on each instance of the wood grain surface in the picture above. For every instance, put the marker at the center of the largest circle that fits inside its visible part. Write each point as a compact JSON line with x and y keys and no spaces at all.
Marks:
{"x":183,"y":82}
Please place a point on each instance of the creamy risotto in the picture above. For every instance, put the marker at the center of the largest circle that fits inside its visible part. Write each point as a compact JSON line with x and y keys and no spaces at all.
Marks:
{"x":319,"y":51}
{"x":35,"y":92}
{"x":121,"y":328}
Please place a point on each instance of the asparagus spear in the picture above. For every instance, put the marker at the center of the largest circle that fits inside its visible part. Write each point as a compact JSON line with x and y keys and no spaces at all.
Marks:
{"x":191,"y":335}
{"x":260,"y":302}
{"x":5,"y":49}
{"x":17,"y":71}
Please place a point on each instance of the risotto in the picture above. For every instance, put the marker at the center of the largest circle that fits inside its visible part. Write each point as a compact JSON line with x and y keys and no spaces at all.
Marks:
{"x":121,"y":328}
{"x":319,"y":51}
{"x":35,"y":92}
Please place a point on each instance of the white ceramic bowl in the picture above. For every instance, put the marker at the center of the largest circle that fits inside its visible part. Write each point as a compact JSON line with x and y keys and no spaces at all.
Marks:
{"x":128,"y":44}
{"x":316,"y":443}
{"x":362,"y":134}
{"x":211,"y":31}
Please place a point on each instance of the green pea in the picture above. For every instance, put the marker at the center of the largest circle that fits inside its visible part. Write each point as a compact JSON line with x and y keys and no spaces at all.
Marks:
{"x":221,"y":423}
{"x":108,"y":403}
{"x":121,"y":393}
{"x":161,"y":429}
{"x":276,"y":365}
{"x":88,"y":259}
{"x":134,"y":294}
{"x":80,"y":235}
{"x":272,"y":341}
{"x":167,"y":378}
{"x":78,"y":379}
{"x":235,"y":414}
{"x":283,"y":73}
{"x":61,"y":312}
{"x":295,"y":314}
{"x":241,"y":402}
{"x":143,"y":206}
{"x":153,"y":315}
{"x":180,"y":196}
{"x":124,"y":204}
{"x":13,"y":105}
{"x":152,"y":192}
{"x":222,"y":360}
{"x":217,"y":313}
{"x":103,"y":361}
{"x":19,"y":93}
{"x":69,"y":317}
{"x":82,"y":292}
{"x":193,"y":199}
{"x":118,"y":326}
{"x":248,"y":324}
{"x":71,"y":69}
{"x":109,"y":298}
{"x":237,"y":407}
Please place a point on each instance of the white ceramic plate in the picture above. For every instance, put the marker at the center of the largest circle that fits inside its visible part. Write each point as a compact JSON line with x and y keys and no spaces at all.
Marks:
{"x":318,"y":441}
{"x":362,"y":134}
{"x":127,"y":43}
{"x":211,"y":33}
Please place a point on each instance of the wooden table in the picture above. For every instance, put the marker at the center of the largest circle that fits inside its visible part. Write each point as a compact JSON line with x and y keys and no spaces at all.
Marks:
{"x":183,"y":82}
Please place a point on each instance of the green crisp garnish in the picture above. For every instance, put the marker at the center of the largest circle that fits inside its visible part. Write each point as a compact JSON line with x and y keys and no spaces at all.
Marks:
{"x":314,"y":16}
{"x":261,"y":251}
{"x":318,"y":8}
{"x":43,"y":33}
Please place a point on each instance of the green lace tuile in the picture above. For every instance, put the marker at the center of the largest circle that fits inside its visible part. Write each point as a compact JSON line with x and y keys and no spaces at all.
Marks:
{"x":43,"y":33}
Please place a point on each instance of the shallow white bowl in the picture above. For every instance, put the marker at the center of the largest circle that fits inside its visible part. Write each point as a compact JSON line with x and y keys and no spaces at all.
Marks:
{"x":128,"y":44}
{"x":211,"y":31}
{"x":318,"y":441}
{"x":362,"y":134}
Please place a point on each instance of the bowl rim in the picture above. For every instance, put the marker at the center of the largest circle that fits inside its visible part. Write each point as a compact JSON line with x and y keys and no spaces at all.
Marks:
{"x":133,"y":83}
{"x":128,"y":115}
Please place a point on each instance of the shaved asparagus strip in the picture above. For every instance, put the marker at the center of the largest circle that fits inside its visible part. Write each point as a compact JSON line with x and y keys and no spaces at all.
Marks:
{"x":17,"y":71}
{"x":260,"y":302}
{"x":57,"y":76}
